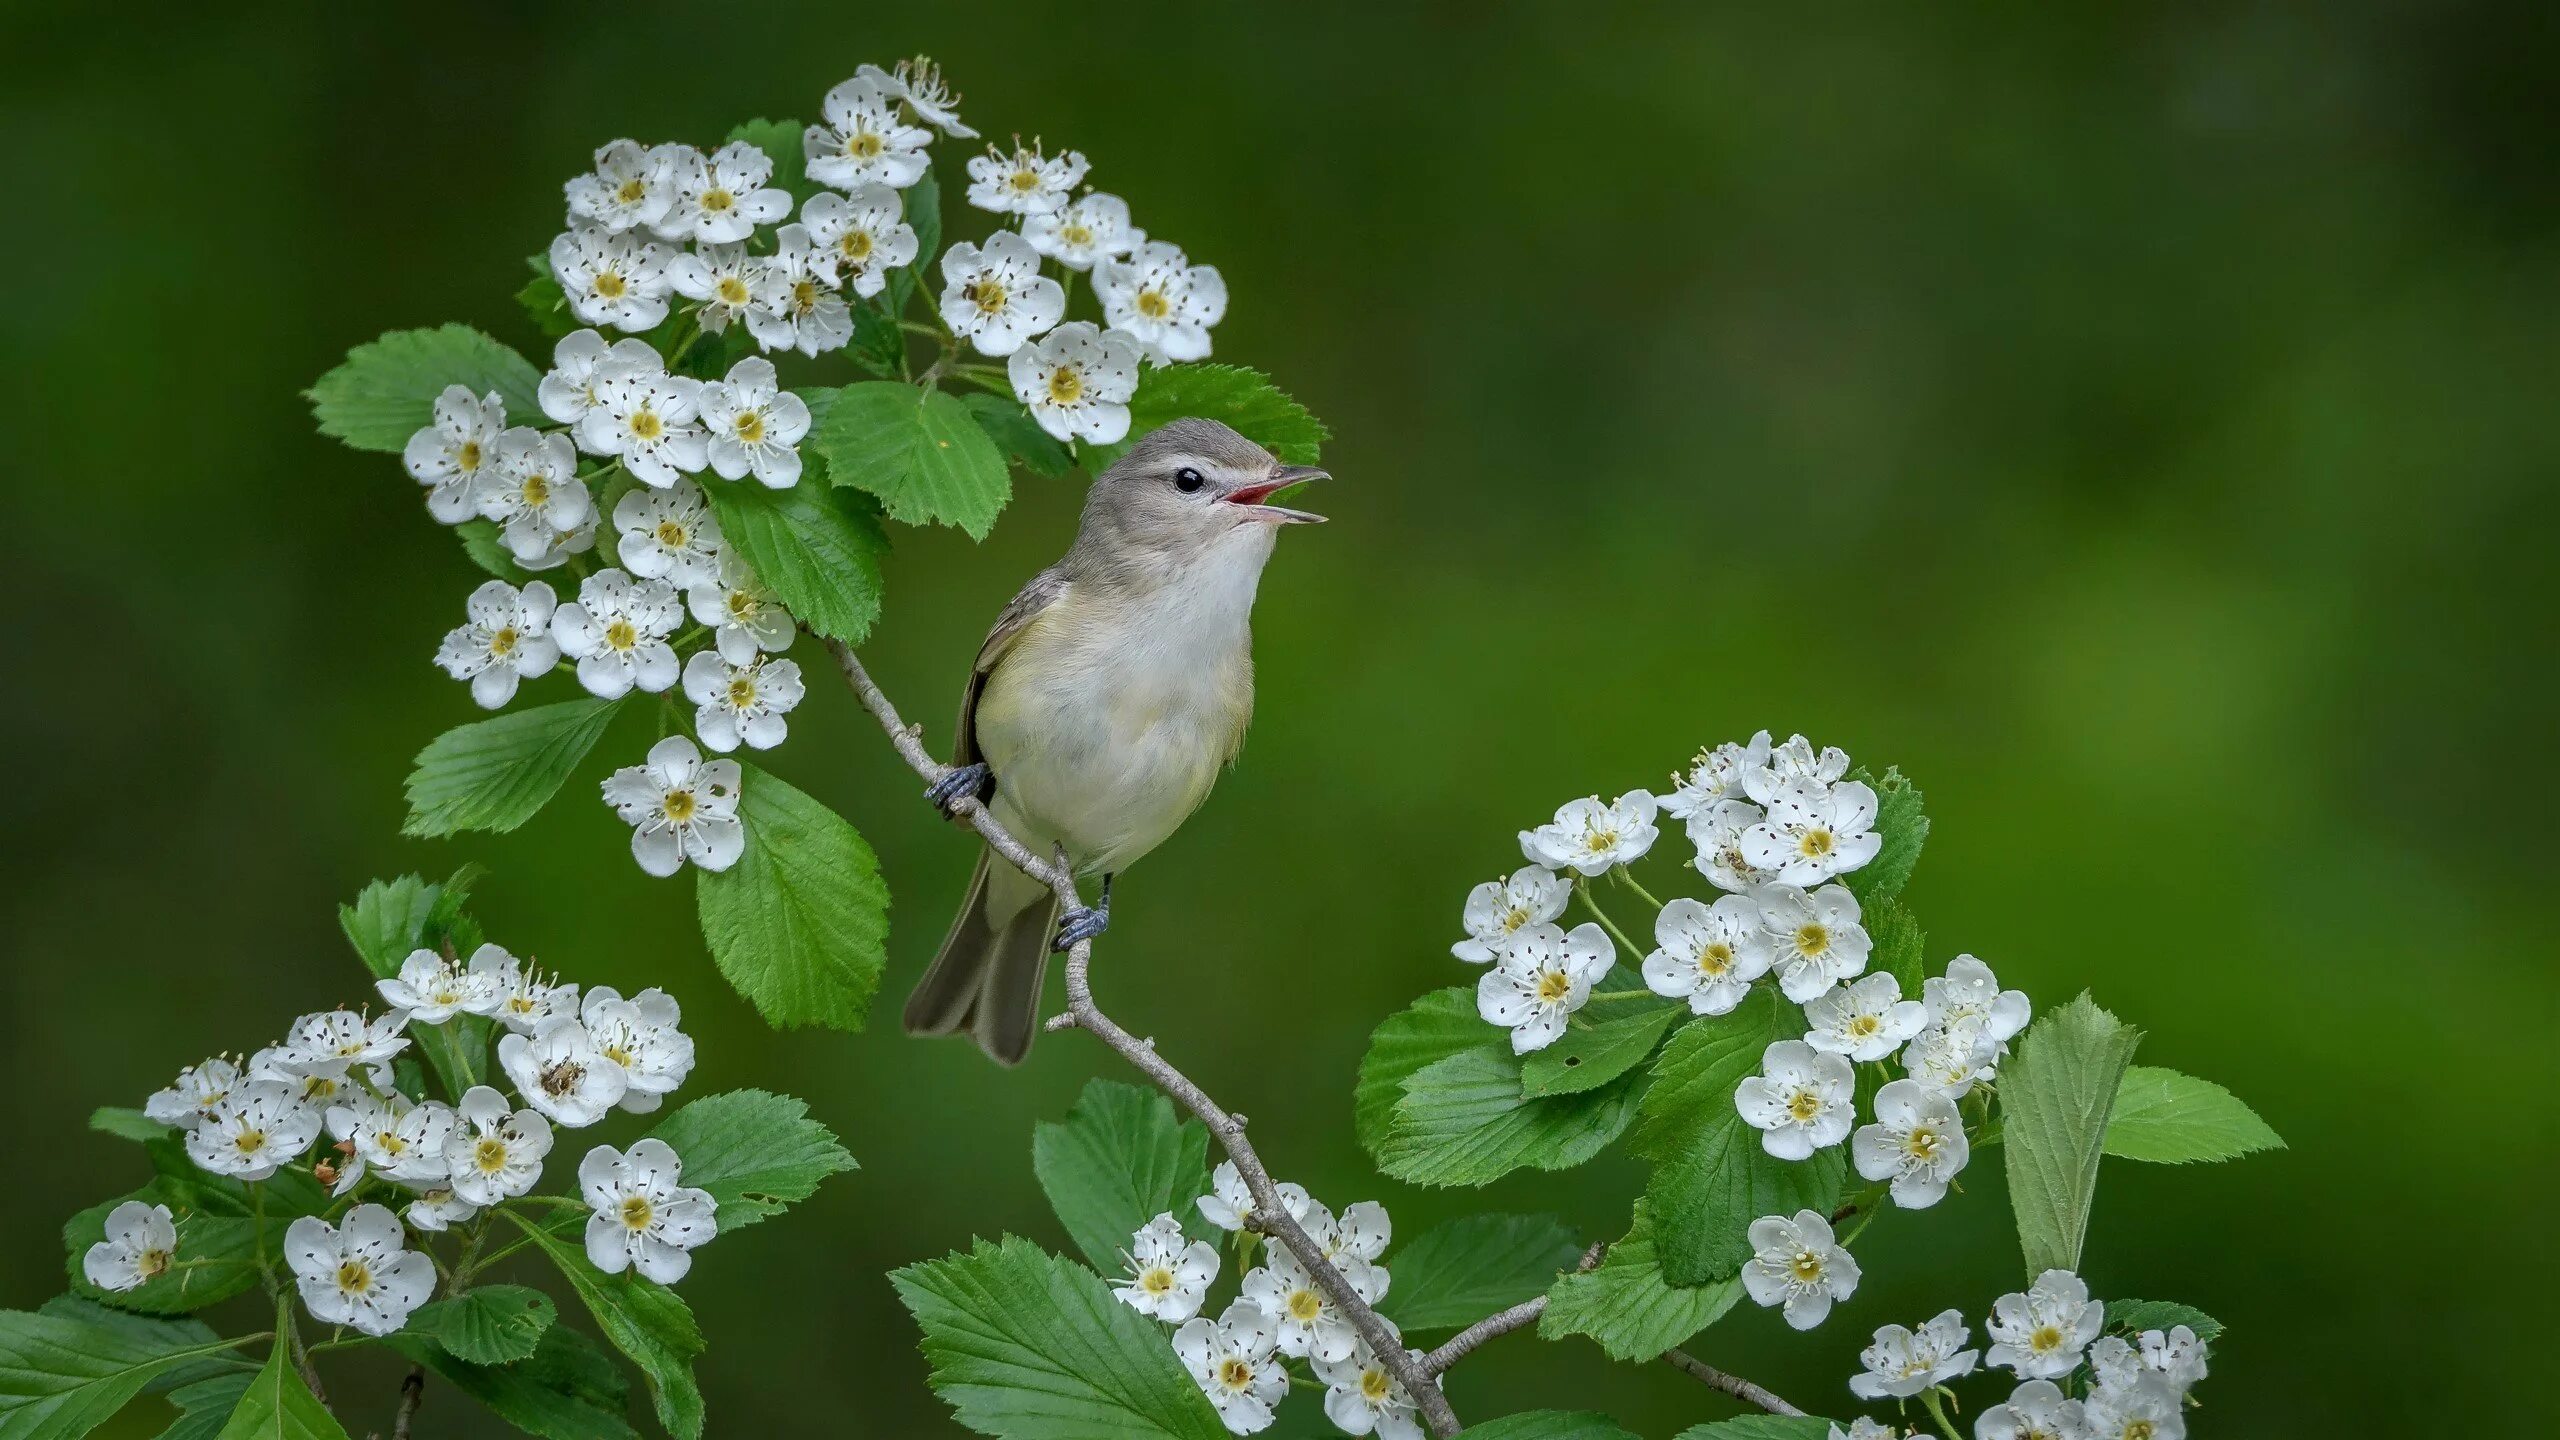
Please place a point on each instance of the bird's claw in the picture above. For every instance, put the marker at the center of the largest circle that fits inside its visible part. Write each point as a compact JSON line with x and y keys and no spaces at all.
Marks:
{"x":946,"y":792}
{"x":1082,"y":924}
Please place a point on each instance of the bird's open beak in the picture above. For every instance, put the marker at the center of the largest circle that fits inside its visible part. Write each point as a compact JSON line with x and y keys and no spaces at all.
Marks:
{"x":1283,"y":478}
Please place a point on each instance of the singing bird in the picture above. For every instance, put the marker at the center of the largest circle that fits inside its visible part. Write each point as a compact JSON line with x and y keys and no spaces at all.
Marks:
{"x":1102,"y":706}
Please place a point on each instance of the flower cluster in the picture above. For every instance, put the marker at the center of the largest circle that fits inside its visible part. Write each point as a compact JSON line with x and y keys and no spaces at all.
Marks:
{"x":571,"y":1058}
{"x":1281,"y":1314}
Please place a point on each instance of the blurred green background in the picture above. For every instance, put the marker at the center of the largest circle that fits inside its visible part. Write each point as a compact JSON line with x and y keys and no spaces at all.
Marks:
{"x":2137,"y":426}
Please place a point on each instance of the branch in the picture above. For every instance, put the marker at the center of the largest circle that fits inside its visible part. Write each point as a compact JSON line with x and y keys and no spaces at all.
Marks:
{"x":412,"y":1390}
{"x":1733,"y":1385}
{"x":1502,"y":1322}
{"x":1270,"y":1216}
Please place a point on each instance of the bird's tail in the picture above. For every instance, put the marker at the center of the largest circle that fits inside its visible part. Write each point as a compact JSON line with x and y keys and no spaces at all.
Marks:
{"x":986,"y":980}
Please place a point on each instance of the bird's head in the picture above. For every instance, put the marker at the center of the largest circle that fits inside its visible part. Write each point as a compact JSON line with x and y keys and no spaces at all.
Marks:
{"x":1189,"y":489}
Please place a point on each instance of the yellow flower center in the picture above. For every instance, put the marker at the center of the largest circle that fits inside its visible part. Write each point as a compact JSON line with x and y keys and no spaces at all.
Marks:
{"x":1235,"y":1372}
{"x":1862,"y":1027}
{"x":151,"y":1263}
{"x":391,"y":1143}
{"x":718,"y":201}
{"x":1066,"y":385}
{"x":863,"y":145}
{"x":610,"y":285}
{"x":1804,"y":1105}
{"x":1600,"y":842}
{"x":742,"y":606}
{"x":1153,"y":304}
{"x":988,"y":295}
{"x":733,"y":291}
{"x":1922,"y":1143}
{"x":490,"y":1155}
{"x":2137,"y":1430}
{"x":504,"y":641}
{"x":750,"y":428}
{"x":536,"y":492}
{"x":679,"y":805}
{"x":619,"y":1055}
{"x":1514,"y":918}
{"x":563,"y":1078}
{"x":1026,"y":180}
{"x":1156,"y":1280}
{"x":855,"y":245}
{"x":1815,"y":844}
{"x":1076,"y":236}
{"x":1305,"y":1305}
{"x":1806,"y":1267}
{"x":1716,"y":960}
{"x":632,"y":191}
{"x":621,"y":635}
{"x":468,"y":457}
{"x":1812,"y":939}
{"x":353,"y":1277}
{"x":1553,"y":987}
{"x":1373,"y":1385}
{"x":2046,"y":1340}
{"x":804,"y":295}
{"x":249,"y":1142}
{"x":671,"y":533}
{"x":646,"y":425}
{"x":742,"y":692}
{"x":635,"y":1212}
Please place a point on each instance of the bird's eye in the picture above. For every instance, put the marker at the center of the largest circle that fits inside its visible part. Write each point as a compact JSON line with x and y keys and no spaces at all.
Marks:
{"x":1187,"y":480}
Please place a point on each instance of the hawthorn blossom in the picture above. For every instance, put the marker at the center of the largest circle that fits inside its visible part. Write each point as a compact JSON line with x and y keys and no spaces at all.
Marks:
{"x":331,"y":1041}
{"x":647,"y":419}
{"x":141,"y":1240}
{"x":864,"y":232}
{"x":669,"y":535}
{"x":1306,"y":1321}
{"x":1167,"y":1279}
{"x":451,"y":453}
{"x":560,"y":1072}
{"x":1229,"y":1205}
{"x":1949,"y":1059}
{"x":2040,"y":1332}
{"x":1498,"y":909}
{"x":506,"y":638}
{"x":434,"y":987}
{"x":735,"y":703}
{"x":358,"y":1273}
{"x":1589,"y":836}
{"x":437,"y":1209}
{"x":495,"y":1152}
{"x":254,"y":1131}
{"x":643,"y":1219}
{"x":1162,"y":300}
{"x":1360,"y":1232}
{"x":1076,"y":381}
{"x":1544,"y":975}
{"x":756,"y":426}
{"x":640,"y":1036}
{"x":1816,"y":938}
{"x":1811,"y":832}
{"x":534,"y":494}
{"x":199,"y":1089}
{"x":1799,"y":1266}
{"x":617,"y":631}
{"x":680,"y":807}
{"x":796,"y":305}
{"x":995,"y":297}
{"x":919,"y":83}
{"x":1865,"y":1427}
{"x":1969,"y":994}
{"x":1025,"y":182}
{"x":2150,"y":1408}
{"x":1790,"y":763}
{"x":2035,"y":1410}
{"x":1715,"y":777}
{"x":632,"y":185}
{"x":1866,"y":1019}
{"x":1084,"y":232}
{"x":1903,"y":1362}
{"x":391,"y":1136}
{"x":1918,"y":1143}
{"x":722,"y":278}
{"x":1800,"y":1102}
{"x":1707,"y":954}
{"x":581,"y":362}
{"x":1362,"y":1397}
{"x":1232,"y":1361}
{"x":611,"y":279}
{"x":749,"y":618}
{"x":314,"y":1086}
{"x":2175,"y":1355}
{"x":863,"y":140}
{"x":519,"y":997}
{"x":722,"y":198}
{"x":1716,"y":833}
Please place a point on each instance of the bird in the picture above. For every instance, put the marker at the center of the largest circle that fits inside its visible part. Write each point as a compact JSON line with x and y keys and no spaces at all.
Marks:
{"x":1113,"y":690}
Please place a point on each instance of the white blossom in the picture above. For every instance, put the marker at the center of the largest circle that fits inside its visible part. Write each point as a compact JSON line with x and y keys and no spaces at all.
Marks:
{"x":632,"y":185}
{"x":1229,"y":1205}
{"x":1025,"y":182}
{"x":388,"y":1135}
{"x":2175,"y":1355}
{"x":864,"y":232}
{"x":505,"y":638}
{"x":864,"y":141}
{"x":1811,"y":832}
{"x":741,"y":703}
{"x":1865,"y":1019}
{"x":560,"y":1072}
{"x":1799,"y":1266}
{"x":1716,"y":833}
{"x":649,"y":420}
{"x":756,"y":426}
{"x":1360,"y":1232}
{"x":1498,"y":909}
{"x":1542,"y":977}
{"x":669,"y":535}
{"x":641,"y":1036}
{"x":495,"y":1153}
{"x":1715,"y":777}
{"x":681,"y":808}
{"x":996,"y":298}
{"x":331,"y":1041}
{"x":1790,"y":763}
{"x":519,"y":997}
{"x":721,"y":278}
{"x":534,"y":494}
{"x":1903,"y":1362}
{"x":1084,"y":232}
{"x":1589,"y":836}
{"x":141,"y":1240}
{"x":196,"y":1093}
{"x":1816,"y":938}
{"x":2035,"y":1410}
{"x":358,"y":1274}
{"x":1231,"y":1359}
{"x":1076,"y":381}
{"x":454,"y":450}
{"x":1305,"y":1320}
{"x":1969,"y":994}
{"x":1918,"y":1143}
{"x":581,"y":362}
{"x":643,"y":1219}
{"x":919,"y":83}
{"x":2148,"y":1409}
{"x":2041,"y":1331}
{"x":749,"y":618}
{"x":1708,"y":954}
{"x":1800,"y":1102}
{"x":796,"y":305}
{"x":1167,"y":1279}
{"x":256,"y":1130}
{"x":722,"y":198}
{"x":433,"y":988}
{"x":1362,"y":1397}
{"x":1162,"y":300}
{"x":609,"y":279}
{"x":437,"y":1208}
{"x":1865,"y":1427}
{"x":617,"y":631}
{"x":315,"y":1085}
{"x":1949,"y":1059}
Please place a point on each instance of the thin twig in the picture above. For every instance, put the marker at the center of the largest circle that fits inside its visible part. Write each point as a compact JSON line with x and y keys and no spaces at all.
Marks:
{"x":1502,"y":1322}
{"x":1746,"y":1391}
{"x":412,"y":1390}
{"x":1270,"y":1216}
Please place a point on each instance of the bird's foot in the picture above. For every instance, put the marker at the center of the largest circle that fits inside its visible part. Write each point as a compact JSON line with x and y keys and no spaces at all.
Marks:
{"x":1082,"y":924}
{"x":945,"y":793}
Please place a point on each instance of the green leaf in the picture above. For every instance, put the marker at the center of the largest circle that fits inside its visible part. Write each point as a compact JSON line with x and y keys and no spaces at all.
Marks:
{"x":2132,"y":1317}
{"x":567,"y":1390}
{"x":1761,"y":1427}
{"x":1627,"y":1306}
{"x":1463,"y":1121}
{"x":1030,"y":1346}
{"x":1588,"y":1059}
{"x":800,"y":924}
{"x":1455,"y":1274}
{"x":544,"y":303}
{"x":1549,"y":1425}
{"x":205,"y":1406}
{"x":756,"y":1152}
{"x":816,"y":547}
{"x":480,"y":542}
{"x":126,"y":1124}
{"x":2055,"y":1097}
{"x":2171,"y":1119}
{"x":1243,"y":399}
{"x":919,"y":451}
{"x":62,"y":1377}
{"x":491,"y":1325}
{"x":278,"y":1406}
{"x":780,"y":141}
{"x":923,"y":212}
{"x":221,"y":1252}
{"x":1018,"y":435}
{"x":387,"y":920}
{"x":1712,"y":1177}
{"x":386,"y":391}
{"x":495,"y":774}
{"x":1120,"y":1159}
{"x":1900,"y":946}
{"x":1904,"y":828}
{"x":644,"y":1320}
{"x":878,"y":345}
{"x":1435,"y":1027}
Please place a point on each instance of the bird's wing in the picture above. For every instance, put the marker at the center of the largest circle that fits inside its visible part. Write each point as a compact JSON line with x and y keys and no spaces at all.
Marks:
{"x":1042,"y":592}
